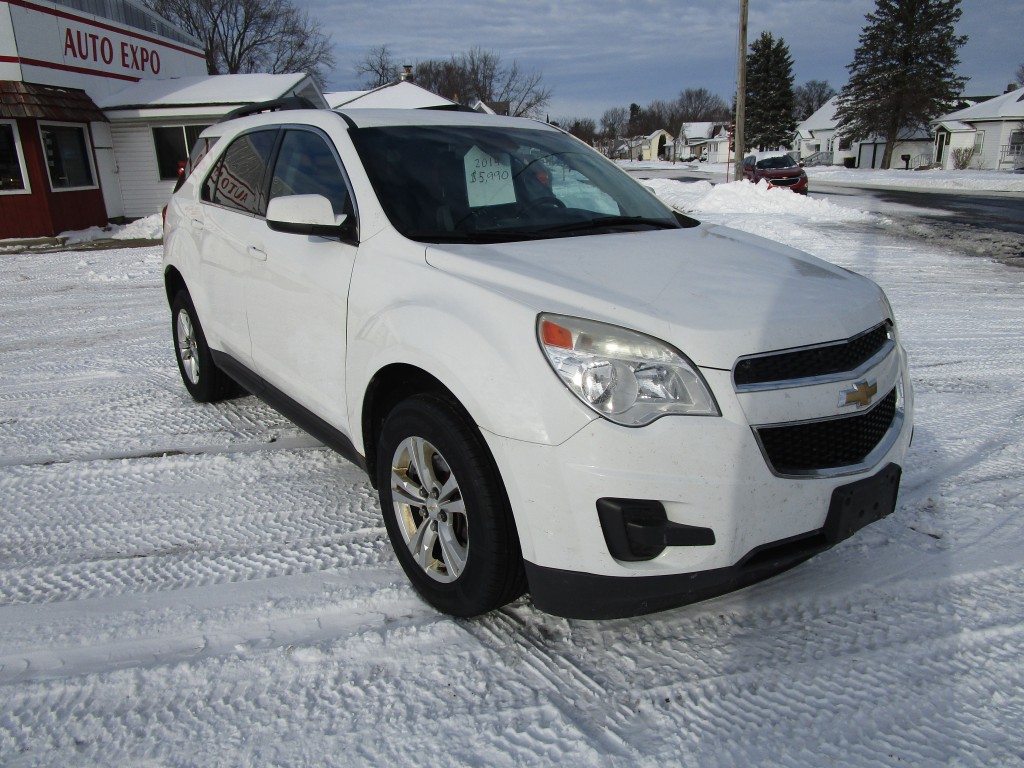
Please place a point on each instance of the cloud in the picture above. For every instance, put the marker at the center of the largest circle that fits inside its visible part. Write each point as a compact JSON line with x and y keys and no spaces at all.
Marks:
{"x":599,"y":53}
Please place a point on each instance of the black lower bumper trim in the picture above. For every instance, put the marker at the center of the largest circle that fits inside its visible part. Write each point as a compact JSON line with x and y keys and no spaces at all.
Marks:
{"x":577,"y":595}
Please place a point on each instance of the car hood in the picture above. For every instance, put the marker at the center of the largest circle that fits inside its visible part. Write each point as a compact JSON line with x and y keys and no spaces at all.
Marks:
{"x":714,"y":293}
{"x":780,"y":173}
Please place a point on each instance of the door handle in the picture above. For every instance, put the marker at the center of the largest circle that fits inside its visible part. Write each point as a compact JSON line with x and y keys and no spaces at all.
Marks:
{"x":257,"y":253}
{"x":197,"y":224}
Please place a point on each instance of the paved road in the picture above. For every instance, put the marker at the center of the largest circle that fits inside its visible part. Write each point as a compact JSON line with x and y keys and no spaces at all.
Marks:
{"x":1000,"y":212}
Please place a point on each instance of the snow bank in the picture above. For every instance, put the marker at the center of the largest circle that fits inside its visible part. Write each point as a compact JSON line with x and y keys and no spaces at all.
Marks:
{"x":149,"y":228}
{"x":742,"y":197}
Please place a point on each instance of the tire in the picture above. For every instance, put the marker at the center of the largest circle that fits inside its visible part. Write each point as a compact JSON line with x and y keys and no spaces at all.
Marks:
{"x":445,"y":509}
{"x":202,"y":378}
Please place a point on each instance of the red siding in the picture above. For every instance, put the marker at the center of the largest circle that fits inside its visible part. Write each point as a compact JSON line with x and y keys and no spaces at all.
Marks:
{"x":45,"y":212}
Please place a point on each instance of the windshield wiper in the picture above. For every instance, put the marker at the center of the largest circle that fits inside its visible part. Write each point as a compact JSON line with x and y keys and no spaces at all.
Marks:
{"x":610,"y":222}
{"x":472,"y":236}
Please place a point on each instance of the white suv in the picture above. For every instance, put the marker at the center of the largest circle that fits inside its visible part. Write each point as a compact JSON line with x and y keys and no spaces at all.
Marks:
{"x":556,"y":383}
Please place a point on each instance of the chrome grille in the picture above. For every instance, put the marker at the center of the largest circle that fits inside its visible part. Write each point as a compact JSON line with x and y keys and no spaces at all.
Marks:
{"x":811,"y":362}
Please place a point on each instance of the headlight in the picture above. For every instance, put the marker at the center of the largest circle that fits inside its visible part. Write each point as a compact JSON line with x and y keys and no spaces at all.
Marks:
{"x":626,"y":377}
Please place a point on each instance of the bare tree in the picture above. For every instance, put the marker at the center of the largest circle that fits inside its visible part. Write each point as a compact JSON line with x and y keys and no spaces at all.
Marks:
{"x":697,"y":105}
{"x":811,"y":96}
{"x":584,"y":128}
{"x":243,"y":36}
{"x":1020,"y":75}
{"x":380,"y":67}
{"x":614,"y":122}
{"x":480,"y":74}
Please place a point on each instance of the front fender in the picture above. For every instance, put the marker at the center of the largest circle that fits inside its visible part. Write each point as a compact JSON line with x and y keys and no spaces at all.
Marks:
{"x":479,"y":344}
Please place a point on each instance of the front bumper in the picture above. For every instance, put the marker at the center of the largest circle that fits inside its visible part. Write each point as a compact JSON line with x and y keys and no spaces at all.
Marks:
{"x":707,"y":473}
{"x":588,"y":596}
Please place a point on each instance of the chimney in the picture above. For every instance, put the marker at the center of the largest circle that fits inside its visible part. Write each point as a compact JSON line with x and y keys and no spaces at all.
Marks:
{"x":1010,"y":88}
{"x":407,"y":74}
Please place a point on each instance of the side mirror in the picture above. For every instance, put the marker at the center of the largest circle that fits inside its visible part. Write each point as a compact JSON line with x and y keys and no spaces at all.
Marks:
{"x":307,"y":215}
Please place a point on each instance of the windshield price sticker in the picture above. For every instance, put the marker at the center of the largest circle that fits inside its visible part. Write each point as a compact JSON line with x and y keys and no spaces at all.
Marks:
{"x":488,"y":179}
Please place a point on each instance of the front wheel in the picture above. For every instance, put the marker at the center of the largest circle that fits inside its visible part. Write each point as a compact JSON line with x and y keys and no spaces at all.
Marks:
{"x":445,"y":509}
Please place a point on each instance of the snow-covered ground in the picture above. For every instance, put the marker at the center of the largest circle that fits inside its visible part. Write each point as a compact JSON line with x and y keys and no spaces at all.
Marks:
{"x":188,"y":585}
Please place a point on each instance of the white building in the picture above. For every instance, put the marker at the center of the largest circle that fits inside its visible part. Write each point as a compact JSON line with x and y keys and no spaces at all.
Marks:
{"x":99,"y":103}
{"x":401,"y":94}
{"x":707,"y":141}
{"x":817,"y":141}
{"x":56,"y":59}
{"x":991,"y":132}
{"x":153,"y":124}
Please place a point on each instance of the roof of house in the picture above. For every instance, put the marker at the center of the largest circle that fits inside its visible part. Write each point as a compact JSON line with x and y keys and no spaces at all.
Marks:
{"x":48,"y":102}
{"x":401,"y":94}
{"x":203,"y":90}
{"x":953,"y":126}
{"x":698,"y":130}
{"x":1009,"y":106}
{"x":824,"y":119}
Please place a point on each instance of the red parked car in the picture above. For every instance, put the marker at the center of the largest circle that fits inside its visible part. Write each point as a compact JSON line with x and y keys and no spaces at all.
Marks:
{"x":777,"y":168}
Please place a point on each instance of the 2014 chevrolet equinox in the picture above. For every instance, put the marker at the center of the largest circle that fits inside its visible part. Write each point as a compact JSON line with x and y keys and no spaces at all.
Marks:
{"x":555,"y":383}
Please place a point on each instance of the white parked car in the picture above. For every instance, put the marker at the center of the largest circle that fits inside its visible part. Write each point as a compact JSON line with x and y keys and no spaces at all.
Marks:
{"x":557,"y":384}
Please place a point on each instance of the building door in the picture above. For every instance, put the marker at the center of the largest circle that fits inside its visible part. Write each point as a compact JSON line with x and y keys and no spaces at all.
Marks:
{"x":941,"y":139}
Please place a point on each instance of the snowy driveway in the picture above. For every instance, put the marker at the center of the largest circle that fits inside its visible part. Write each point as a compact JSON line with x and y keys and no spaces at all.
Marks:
{"x":186,"y":585}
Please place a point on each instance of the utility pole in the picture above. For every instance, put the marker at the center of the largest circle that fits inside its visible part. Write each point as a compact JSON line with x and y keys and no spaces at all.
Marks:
{"x":741,"y":92}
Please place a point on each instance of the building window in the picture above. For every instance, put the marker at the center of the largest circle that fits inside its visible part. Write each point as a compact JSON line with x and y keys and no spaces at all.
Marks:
{"x":67,"y":156}
{"x":13,"y":177}
{"x":172,"y":148}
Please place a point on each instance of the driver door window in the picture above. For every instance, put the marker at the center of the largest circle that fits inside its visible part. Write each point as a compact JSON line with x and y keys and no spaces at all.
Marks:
{"x":307,"y":166}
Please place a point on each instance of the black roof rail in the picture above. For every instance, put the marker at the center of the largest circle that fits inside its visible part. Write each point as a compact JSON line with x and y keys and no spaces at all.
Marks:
{"x":275,"y":105}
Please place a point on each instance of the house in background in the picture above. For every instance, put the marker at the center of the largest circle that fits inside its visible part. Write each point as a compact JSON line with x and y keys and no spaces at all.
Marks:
{"x":817,"y":141}
{"x":656,"y":146}
{"x":707,"y":141}
{"x":992,"y":131}
{"x":401,"y":94}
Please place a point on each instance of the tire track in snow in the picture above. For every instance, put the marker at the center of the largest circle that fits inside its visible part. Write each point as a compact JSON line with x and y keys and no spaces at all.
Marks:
{"x":739,"y":663}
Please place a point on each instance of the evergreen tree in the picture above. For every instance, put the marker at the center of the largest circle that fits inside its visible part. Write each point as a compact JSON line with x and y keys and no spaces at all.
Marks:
{"x":771,"y":104}
{"x":904,"y":71}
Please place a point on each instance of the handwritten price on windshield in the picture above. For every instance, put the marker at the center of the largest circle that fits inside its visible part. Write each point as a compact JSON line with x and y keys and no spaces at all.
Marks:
{"x":487,"y":177}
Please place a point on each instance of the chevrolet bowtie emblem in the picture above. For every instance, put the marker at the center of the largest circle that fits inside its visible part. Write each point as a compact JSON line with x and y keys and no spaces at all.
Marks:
{"x":861,"y":395}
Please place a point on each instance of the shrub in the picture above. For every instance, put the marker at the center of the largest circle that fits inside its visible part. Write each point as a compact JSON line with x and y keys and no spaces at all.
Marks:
{"x":962,"y":157}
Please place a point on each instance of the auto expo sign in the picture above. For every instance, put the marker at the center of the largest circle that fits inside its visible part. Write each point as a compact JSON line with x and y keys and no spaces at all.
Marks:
{"x":111,"y":50}
{"x":49,"y":37}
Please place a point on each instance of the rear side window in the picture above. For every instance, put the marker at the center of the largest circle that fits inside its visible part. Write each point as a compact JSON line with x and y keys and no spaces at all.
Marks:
{"x":237,"y":178}
{"x":307,"y":166}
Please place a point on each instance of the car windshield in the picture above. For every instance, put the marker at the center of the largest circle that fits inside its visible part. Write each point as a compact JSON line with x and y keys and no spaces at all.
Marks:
{"x":775,"y":162}
{"x":483,"y":184}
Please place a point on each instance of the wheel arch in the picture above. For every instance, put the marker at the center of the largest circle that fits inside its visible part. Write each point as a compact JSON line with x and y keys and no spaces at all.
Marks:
{"x":390,"y":386}
{"x":173,"y":282}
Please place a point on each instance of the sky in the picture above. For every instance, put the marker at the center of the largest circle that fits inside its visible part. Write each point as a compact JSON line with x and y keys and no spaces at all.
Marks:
{"x":598,"y":54}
